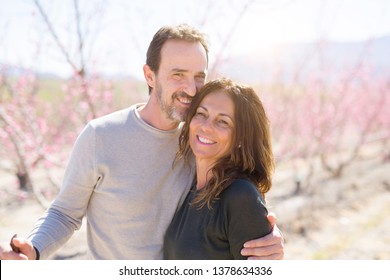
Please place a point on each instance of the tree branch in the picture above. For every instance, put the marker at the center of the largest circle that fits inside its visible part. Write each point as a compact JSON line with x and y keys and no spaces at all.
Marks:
{"x":55,"y":37}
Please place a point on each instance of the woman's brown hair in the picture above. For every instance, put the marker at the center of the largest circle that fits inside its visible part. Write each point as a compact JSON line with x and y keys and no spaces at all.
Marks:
{"x":251,"y":156}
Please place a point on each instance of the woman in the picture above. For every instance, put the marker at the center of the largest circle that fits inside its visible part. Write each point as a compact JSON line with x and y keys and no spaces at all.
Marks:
{"x":228,"y":132}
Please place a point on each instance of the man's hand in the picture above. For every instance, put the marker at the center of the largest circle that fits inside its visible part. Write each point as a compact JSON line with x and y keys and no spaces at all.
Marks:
{"x":27,"y":251}
{"x":269,"y":247}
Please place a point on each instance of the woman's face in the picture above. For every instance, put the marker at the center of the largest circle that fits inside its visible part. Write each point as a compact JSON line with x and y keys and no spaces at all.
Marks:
{"x":211,"y":128}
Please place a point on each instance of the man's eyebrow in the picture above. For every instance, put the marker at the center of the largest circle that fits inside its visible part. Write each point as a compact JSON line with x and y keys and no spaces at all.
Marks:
{"x":202,"y":74}
{"x":179,"y":70}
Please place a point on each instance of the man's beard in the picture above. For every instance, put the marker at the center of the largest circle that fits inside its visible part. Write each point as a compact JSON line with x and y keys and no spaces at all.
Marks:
{"x":172,"y":112}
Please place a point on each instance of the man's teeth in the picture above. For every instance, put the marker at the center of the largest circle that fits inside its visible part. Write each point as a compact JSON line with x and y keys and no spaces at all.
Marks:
{"x":205,"y":140}
{"x":185,"y":100}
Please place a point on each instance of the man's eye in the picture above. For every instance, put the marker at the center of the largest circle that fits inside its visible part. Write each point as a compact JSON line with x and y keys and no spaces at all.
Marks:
{"x":200,"y":79}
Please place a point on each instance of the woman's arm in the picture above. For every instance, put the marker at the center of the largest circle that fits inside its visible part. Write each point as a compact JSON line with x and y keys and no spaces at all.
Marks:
{"x":269,"y":247}
{"x":246,"y":215}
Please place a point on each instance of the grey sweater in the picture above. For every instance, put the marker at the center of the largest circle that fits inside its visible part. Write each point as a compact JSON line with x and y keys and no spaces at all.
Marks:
{"x":120,"y":177}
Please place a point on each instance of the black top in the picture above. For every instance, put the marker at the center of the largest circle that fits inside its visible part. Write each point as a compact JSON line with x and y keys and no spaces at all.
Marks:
{"x":217,"y":234}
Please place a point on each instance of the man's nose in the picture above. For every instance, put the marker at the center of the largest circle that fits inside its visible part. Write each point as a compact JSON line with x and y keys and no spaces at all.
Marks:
{"x":190,"y":87}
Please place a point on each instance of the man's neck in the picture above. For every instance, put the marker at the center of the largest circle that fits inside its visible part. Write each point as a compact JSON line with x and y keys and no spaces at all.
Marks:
{"x":151,"y":114}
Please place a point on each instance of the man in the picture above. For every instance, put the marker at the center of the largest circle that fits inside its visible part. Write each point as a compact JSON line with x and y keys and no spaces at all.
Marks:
{"x":120,"y":173}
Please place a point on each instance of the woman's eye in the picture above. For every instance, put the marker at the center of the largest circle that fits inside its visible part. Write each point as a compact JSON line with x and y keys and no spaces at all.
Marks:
{"x":223,"y":123}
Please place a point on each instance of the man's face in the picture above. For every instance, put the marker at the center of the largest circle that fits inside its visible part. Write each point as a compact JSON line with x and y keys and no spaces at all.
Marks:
{"x":181,"y":74}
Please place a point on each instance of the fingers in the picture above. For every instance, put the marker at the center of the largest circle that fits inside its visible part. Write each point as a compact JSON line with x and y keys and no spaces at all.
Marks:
{"x":23,"y":245}
{"x":279,"y":256}
{"x":6,"y":253}
{"x":271,"y":218}
{"x":14,"y":248}
{"x":18,"y":243}
{"x":275,"y":237}
{"x":274,"y":252}
{"x":269,"y":247}
{"x":16,"y":256}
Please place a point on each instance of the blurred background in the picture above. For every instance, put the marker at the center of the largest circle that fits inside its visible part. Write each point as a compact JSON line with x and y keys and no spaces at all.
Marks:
{"x":321,"y":67}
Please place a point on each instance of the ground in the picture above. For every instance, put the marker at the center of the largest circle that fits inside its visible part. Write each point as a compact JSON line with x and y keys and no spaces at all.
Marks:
{"x":340,"y":218}
{"x":334,"y":218}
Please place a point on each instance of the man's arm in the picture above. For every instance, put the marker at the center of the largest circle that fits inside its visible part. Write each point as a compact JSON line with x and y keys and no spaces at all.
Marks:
{"x":269,"y":247}
{"x":65,"y":214}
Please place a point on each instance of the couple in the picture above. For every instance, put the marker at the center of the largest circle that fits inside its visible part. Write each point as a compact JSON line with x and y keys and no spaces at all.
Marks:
{"x":120,"y":174}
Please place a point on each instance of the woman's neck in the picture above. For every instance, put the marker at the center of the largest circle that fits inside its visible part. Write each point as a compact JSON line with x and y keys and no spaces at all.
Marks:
{"x":203,"y":173}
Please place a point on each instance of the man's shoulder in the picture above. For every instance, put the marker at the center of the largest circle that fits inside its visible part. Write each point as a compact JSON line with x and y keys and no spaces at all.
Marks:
{"x":118,"y":117}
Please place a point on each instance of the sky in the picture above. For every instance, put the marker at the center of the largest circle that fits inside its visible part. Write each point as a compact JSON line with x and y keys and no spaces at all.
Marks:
{"x":117,"y":32}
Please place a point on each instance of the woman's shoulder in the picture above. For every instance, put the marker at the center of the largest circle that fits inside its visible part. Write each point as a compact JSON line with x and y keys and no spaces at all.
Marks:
{"x":241,"y":185}
{"x":241,"y":189}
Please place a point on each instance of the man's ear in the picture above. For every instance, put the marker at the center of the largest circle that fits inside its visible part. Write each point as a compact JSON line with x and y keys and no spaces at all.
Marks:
{"x":150,"y":77}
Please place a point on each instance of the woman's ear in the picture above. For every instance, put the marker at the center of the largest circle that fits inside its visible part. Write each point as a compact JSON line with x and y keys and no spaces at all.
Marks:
{"x":149,"y":75}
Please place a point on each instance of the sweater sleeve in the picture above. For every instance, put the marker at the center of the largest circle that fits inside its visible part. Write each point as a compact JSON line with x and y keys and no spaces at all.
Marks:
{"x":246,"y":215}
{"x":65,"y":214}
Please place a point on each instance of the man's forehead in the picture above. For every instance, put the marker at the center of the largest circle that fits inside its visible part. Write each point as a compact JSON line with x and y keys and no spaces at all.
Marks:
{"x":183,"y":50}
